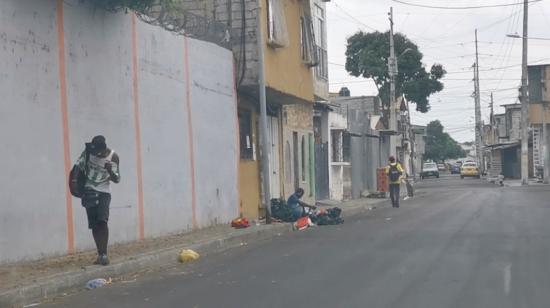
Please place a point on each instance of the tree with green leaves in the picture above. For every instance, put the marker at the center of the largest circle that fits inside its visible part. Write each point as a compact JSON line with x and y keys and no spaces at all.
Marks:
{"x":367,"y":56}
{"x":440,"y":146}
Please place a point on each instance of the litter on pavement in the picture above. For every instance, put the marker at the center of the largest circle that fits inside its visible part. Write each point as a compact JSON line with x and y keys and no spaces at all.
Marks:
{"x":187,"y":255}
{"x":97,"y":283}
{"x":240,"y":223}
{"x":303,"y":223}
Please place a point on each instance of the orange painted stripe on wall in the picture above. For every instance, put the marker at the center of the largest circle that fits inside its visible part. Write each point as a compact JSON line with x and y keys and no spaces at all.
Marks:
{"x":137,"y":124}
{"x":65,"y":122}
{"x":190,"y":132}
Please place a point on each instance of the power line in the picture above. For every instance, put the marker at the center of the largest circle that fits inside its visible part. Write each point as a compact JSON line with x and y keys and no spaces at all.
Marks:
{"x":355,"y":19}
{"x":461,"y":7}
{"x":494,"y":68}
{"x":337,"y":64}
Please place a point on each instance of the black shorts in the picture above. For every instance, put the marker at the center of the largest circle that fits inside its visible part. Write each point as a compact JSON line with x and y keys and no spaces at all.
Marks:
{"x":100,"y":212}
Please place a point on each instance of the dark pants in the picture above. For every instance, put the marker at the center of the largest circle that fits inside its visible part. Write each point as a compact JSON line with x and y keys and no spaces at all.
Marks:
{"x":97,"y":210}
{"x":394,"y":194}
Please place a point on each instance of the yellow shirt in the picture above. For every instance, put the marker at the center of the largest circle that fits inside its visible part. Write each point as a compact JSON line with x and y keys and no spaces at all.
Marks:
{"x":398,"y":168}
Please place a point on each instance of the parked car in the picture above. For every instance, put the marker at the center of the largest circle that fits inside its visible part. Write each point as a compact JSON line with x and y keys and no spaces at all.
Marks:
{"x":455,"y":169}
{"x":470,"y":169}
{"x":429,"y":169}
{"x":441,"y":167}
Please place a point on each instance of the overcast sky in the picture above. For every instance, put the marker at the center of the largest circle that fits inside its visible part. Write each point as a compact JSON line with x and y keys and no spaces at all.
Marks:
{"x":447,"y":37}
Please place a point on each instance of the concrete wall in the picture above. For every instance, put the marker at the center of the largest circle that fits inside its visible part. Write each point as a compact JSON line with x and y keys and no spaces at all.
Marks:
{"x":337,"y":121}
{"x":249,"y":168}
{"x":166,"y":104}
{"x":513,"y":122}
{"x":420,"y":149}
{"x":297,"y":119}
{"x":298,"y":80}
{"x":365,"y":149}
{"x":539,"y":113}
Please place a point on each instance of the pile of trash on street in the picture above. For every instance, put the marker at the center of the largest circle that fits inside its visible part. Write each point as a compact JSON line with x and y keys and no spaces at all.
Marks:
{"x":281,"y":211}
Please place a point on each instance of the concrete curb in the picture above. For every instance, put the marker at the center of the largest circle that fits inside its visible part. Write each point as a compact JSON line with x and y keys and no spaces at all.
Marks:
{"x":55,"y":285}
{"x":52,"y":286}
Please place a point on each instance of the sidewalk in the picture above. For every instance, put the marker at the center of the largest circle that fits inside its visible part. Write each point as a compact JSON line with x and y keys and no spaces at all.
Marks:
{"x":515,"y":182}
{"x":30,"y":282}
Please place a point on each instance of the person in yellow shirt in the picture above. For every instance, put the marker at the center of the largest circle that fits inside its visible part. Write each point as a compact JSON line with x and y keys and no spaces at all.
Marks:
{"x":394,"y":171}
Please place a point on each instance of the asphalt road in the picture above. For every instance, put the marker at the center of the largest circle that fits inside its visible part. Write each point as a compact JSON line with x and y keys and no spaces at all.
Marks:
{"x":459,"y":243}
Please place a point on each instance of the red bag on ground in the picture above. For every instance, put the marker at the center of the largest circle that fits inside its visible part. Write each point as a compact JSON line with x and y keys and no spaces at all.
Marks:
{"x":302,"y":223}
{"x":240,"y":223}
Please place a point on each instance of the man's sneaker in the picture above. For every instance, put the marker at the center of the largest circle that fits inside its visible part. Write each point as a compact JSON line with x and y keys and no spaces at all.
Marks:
{"x":103,"y":259}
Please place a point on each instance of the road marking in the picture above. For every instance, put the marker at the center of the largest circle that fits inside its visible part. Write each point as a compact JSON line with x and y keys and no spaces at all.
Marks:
{"x":507,"y":278}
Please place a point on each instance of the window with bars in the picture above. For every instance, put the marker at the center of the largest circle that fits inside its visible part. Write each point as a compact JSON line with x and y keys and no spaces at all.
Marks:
{"x":322,"y":69}
{"x":308,"y":45}
{"x":320,"y":42}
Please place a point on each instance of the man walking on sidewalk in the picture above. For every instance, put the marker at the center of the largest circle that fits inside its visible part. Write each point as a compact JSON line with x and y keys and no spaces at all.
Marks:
{"x":394,"y":171}
{"x":101,"y":166}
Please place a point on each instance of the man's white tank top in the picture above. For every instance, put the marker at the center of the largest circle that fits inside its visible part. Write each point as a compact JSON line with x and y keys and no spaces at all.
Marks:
{"x":98,"y":176}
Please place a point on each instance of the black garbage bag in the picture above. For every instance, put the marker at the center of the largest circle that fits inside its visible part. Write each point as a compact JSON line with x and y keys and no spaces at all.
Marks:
{"x":331,"y":217}
{"x":280,"y":210}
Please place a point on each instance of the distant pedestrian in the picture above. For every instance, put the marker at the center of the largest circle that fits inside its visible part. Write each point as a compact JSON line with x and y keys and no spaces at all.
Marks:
{"x":394,"y":171}
{"x":101,"y":166}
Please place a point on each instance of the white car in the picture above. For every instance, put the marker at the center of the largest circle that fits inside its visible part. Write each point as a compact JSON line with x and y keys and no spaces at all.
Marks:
{"x":429,"y":169}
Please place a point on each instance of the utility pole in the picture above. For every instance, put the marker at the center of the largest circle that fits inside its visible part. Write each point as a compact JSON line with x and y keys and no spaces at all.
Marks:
{"x":492,"y":120}
{"x":479,"y":145}
{"x":545,"y":156}
{"x":492,"y":109}
{"x":392,"y":70}
{"x":412,"y":141}
{"x":525,"y":101}
{"x":265,"y":142}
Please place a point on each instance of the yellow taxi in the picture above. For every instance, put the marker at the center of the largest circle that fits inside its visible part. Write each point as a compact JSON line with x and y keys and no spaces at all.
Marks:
{"x":470,"y":169}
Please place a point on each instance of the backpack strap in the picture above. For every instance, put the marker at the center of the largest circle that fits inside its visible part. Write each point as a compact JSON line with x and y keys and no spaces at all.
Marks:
{"x":86,"y":160}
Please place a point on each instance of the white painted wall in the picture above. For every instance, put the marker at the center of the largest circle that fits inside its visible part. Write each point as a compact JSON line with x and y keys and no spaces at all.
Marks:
{"x":337,"y":122}
{"x":99,"y":73}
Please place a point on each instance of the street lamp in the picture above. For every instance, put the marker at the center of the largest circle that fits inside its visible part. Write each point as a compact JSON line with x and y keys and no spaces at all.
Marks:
{"x":404,"y":52}
{"x":392,"y":62}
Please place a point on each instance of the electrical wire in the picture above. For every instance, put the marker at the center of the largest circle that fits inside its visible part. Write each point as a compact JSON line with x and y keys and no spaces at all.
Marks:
{"x":461,"y":7}
{"x":355,"y":19}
